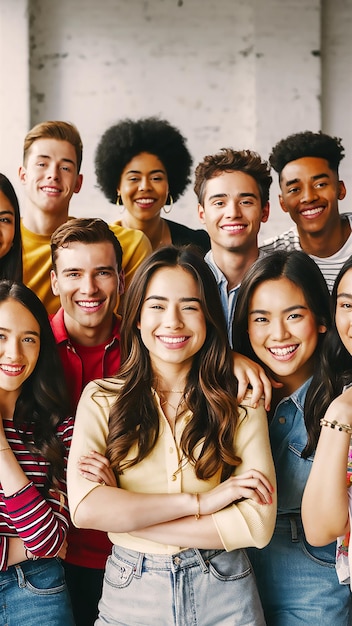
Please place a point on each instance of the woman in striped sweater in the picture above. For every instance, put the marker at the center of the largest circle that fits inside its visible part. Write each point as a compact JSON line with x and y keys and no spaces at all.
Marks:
{"x":34,"y":440}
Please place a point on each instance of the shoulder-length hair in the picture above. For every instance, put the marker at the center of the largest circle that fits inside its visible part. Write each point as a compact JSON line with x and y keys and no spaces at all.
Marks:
{"x":301,"y":270}
{"x":211,"y":387}
{"x":43,"y":402}
{"x":335,"y":363}
{"x":11,"y":263}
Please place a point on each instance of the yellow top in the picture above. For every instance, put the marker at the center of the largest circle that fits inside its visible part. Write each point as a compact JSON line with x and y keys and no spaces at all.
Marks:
{"x":37,"y":260}
{"x":239,"y":525}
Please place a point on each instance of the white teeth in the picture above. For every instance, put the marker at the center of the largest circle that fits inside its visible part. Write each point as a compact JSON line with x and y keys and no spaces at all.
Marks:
{"x":315,"y":211}
{"x":145,"y":200}
{"x":89,"y":305}
{"x":11,"y":368}
{"x":233,"y":228}
{"x":172,"y":339}
{"x":282,"y":351}
{"x":50,"y":189}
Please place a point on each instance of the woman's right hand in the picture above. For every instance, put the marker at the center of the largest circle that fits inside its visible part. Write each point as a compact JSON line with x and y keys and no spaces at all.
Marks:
{"x":251,"y":485}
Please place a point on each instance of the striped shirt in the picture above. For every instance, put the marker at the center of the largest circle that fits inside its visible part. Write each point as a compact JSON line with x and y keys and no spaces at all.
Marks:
{"x":329,"y":266}
{"x":41,"y":523}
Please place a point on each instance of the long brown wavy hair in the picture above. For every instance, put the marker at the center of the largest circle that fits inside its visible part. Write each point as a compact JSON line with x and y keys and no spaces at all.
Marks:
{"x":211,"y":386}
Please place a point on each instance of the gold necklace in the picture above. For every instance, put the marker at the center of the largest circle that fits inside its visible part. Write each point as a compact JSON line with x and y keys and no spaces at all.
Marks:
{"x":163,"y":400}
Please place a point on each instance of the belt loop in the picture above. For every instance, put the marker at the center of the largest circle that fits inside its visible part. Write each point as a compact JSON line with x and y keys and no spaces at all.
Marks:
{"x":294,"y":530}
{"x":139,"y":564}
{"x":20,"y":576}
{"x":202,"y":563}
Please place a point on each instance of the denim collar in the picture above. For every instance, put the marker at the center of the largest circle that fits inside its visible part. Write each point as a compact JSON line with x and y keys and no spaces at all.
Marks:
{"x":298,"y":397}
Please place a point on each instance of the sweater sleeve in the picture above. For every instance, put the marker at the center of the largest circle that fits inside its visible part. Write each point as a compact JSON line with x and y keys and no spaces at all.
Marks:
{"x":42,"y":523}
{"x":247,"y":523}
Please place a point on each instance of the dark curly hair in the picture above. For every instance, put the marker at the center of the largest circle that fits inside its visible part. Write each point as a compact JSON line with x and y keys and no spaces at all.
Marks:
{"x":128,"y":138}
{"x":228,"y":160}
{"x":307,"y":144}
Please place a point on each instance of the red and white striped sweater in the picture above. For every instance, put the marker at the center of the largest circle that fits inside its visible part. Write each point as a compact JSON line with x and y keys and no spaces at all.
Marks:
{"x":41,"y":523}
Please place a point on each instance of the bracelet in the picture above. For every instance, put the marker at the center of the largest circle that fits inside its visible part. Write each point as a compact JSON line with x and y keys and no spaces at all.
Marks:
{"x":197,"y":515}
{"x":334,"y":424}
{"x":7,"y":448}
{"x":30,"y":558}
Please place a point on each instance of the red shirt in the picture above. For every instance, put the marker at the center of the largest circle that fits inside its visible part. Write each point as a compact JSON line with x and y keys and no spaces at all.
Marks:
{"x":86,"y":548}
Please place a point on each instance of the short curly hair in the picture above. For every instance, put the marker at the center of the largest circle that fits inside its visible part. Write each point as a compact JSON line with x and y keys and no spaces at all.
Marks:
{"x":229,"y":160}
{"x":128,"y":138}
{"x":307,"y":144}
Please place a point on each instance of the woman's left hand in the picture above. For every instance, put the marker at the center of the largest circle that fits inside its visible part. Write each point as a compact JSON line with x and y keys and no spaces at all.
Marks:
{"x":96,"y":468}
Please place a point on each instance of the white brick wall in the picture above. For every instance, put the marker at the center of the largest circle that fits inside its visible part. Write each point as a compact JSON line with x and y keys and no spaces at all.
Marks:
{"x":242,"y":73}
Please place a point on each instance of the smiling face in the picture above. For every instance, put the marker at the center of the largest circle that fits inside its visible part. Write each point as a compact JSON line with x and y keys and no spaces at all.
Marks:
{"x":7,"y":224}
{"x":144,"y":187}
{"x":310,"y":191}
{"x":19,"y":348}
{"x":87,"y":281}
{"x":343,"y":317}
{"x":283,"y":331}
{"x":172,"y":322}
{"x":50,"y":176}
{"x":232,"y":211}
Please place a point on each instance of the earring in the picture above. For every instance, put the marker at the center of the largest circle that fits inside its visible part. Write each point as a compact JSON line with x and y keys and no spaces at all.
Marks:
{"x":120,"y":203}
{"x":169,"y":202}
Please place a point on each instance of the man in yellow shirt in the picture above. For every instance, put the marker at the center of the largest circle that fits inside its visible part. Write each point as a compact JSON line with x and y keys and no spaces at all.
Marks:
{"x":50,"y":175}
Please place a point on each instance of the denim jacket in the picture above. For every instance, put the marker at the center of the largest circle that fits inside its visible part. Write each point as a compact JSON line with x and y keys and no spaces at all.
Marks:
{"x":288,"y":438}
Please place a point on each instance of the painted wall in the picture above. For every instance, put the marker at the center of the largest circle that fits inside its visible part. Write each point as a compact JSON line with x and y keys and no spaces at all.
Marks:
{"x":240,"y":73}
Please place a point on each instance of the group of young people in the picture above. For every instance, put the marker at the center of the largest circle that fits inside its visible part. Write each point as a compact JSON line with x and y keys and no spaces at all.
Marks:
{"x":193,"y":499}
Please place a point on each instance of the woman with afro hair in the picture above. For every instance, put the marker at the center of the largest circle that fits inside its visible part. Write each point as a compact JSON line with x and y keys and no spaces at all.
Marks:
{"x":144,"y":166}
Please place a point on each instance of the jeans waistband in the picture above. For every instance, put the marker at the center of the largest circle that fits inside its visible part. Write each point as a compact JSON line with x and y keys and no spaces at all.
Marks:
{"x":20,"y":570}
{"x":184,"y":559}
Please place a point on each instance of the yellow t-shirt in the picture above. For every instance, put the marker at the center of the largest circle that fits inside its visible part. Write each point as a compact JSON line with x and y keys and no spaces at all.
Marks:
{"x":241,"y":524}
{"x":37,"y":260}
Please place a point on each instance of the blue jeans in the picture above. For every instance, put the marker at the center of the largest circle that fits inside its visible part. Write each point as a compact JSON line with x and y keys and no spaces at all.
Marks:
{"x":33,"y":593}
{"x":193,"y":587}
{"x":297,"y":582}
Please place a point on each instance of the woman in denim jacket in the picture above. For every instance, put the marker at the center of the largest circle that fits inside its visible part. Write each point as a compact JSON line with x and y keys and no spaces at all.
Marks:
{"x":281,"y":322}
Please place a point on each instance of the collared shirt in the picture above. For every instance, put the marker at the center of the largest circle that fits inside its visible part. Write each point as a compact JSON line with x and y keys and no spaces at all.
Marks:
{"x":86,"y":548}
{"x":105,"y":358}
{"x":241,"y":524}
{"x":329,"y":266}
{"x":228,"y":297}
{"x":288,"y":436}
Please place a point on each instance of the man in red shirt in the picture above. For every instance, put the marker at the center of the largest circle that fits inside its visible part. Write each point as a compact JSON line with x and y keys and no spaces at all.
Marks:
{"x":87,"y":276}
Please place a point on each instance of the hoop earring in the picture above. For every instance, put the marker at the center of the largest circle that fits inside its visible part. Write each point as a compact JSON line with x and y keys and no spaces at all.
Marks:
{"x":120,"y":203}
{"x":169,"y":202}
